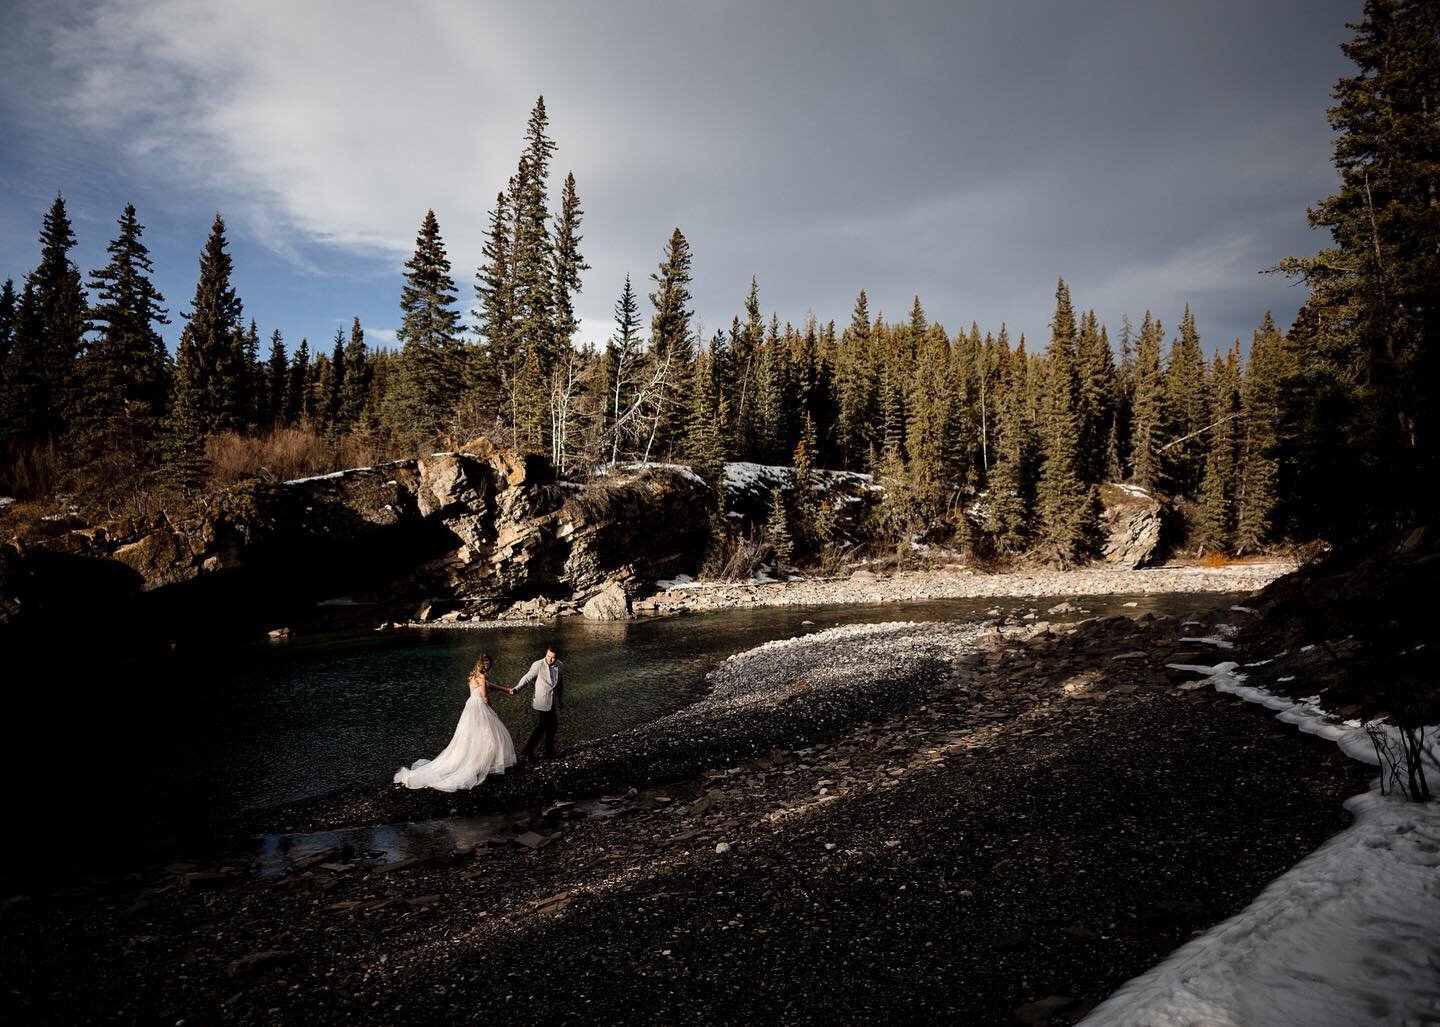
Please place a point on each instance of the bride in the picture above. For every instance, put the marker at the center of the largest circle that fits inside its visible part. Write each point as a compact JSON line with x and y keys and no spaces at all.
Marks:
{"x":480,"y":746}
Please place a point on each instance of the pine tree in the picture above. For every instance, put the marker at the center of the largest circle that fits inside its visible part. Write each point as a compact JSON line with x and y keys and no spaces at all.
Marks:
{"x":297,"y":389}
{"x":1360,"y":405}
{"x":9,"y":307}
{"x":622,"y":363}
{"x":276,"y":379}
{"x":858,"y":387}
{"x":124,"y":374}
{"x":432,"y":361}
{"x":495,"y":293}
{"x":1010,"y":499}
{"x":744,"y":401}
{"x":251,"y":399}
{"x":1187,"y":409}
{"x":670,"y":340}
{"x":209,"y":363}
{"x":532,"y":253}
{"x":1258,"y":500}
{"x":568,"y":264}
{"x":1122,"y":403}
{"x":777,"y":531}
{"x":1147,"y":408}
{"x":705,"y":440}
{"x":355,"y":390}
{"x":46,"y":338}
{"x":807,"y":492}
{"x":335,"y":383}
{"x":1095,"y":397}
{"x":1067,"y":506}
{"x":1215,"y":529}
{"x":929,"y":403}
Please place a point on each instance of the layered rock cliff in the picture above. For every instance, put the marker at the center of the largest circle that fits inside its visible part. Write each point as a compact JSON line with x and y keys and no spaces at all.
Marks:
{"x":480,"y":528}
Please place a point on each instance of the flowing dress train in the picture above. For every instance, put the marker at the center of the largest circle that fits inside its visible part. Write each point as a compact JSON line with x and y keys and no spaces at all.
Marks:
{"x":480,"y":746}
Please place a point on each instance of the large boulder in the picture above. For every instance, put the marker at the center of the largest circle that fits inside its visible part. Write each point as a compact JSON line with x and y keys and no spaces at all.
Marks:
{"x":1135,"y":523}
{"x":609,"y":604}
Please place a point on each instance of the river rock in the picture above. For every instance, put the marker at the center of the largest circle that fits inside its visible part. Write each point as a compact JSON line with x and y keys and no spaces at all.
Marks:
{"x":610,"y":604}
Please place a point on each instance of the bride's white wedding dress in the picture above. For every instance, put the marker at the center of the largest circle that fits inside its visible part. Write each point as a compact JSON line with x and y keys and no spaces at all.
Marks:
{"x":480,"y":746}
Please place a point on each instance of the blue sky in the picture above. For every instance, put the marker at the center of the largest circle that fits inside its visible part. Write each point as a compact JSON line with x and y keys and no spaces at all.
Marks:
{"x":1153,"y":154}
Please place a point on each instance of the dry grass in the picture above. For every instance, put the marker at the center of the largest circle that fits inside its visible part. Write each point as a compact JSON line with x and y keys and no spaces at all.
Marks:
{"x":734,"y":557}
{"x":29,"y":470}
{"x":286,"y":453}
{"x":1214,"y":561}
{"x":606,"y":500}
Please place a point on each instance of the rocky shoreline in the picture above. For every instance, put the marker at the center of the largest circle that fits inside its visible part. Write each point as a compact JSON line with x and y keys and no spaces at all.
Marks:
{"x":980,"y":824}
{"x":865,"y":586}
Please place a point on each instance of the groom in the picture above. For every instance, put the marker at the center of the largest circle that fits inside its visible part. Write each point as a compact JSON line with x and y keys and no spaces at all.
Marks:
{"x":545,"y":673}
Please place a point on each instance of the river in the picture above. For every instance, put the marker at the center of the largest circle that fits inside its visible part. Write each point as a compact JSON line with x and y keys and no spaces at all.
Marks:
{"x":145,"y":757}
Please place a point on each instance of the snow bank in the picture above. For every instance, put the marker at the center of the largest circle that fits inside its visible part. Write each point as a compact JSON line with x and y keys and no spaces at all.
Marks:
{"x":680,"y":469}
{"x":1346,"y":936}
{"x":741,"y":476}
{"x":324,"y":477}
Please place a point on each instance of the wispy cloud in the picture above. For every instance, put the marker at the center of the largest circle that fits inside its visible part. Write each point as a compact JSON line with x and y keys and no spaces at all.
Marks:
{"x":970,"y":155}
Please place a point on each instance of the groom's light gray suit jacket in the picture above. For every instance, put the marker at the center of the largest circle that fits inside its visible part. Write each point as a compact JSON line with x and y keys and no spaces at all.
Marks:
{"x":548,"y":682}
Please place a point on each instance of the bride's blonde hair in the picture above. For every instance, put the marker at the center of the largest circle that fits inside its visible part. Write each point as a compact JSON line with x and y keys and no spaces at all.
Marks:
{"x":482,"y":664}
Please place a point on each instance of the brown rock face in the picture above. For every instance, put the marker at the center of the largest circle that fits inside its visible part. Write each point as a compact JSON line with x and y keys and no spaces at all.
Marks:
{"x":482,"y":527}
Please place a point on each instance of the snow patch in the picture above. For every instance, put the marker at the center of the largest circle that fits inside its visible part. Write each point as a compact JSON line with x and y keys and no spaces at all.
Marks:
{"x":685,"y":472}
{"x":6,"y":501}
{"x":323,"y":477}
{"x":1218,"y":643}
{"x":1346,"y":936}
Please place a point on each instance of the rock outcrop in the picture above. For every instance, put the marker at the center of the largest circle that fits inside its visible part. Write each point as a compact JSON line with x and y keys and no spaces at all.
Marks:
{"x":1134,"y":522}
{"x":480,"y":529}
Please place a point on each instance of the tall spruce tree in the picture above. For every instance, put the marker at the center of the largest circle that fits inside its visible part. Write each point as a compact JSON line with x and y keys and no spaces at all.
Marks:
{"x":432,"y":362}
{"x":210,"y":375}
{"x":335,"y":384}
{"x":532,"y":252}
{"x":1360,"y":401}
{"x":1215,"y":527}
{"x":277,"y":375}
{"x":568,"y":264}
{"x":1095,"y":397}
{"x":858,"y":388}
{"x":1068,"y":507}
{"x":622,"y":364}
{"x":9,"y":302}
{"x":297,"y":389}
{"x":355,"y":391}
{"x":46,"y":338}
{"x":1187,"y":409}
{"x":495,"y":294}
{"x":1259,"y":431}
{"x":124,"y":373}
{"x":670,"y":338}
{"x":1147,"y":408}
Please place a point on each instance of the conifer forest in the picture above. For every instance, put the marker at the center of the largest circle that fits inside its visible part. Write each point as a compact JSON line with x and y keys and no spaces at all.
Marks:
{"x":995,"y":443}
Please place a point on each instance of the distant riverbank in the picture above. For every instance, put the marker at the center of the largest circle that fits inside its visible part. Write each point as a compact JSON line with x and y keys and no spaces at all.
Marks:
{"x":864,"y":586}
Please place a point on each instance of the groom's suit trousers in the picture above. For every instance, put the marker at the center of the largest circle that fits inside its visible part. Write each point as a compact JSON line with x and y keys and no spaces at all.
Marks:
{"x":546,"y":723}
